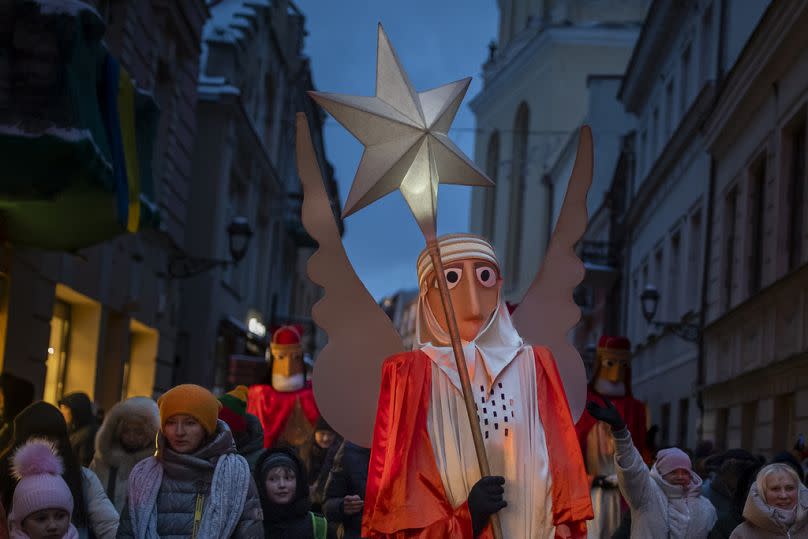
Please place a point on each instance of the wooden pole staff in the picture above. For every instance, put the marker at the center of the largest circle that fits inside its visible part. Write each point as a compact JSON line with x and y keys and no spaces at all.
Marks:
{"x":462,"y":370}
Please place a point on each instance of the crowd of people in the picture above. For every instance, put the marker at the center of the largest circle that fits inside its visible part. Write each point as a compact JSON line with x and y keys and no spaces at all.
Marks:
{"x":192,"y":465}
{"x":186,"y":465}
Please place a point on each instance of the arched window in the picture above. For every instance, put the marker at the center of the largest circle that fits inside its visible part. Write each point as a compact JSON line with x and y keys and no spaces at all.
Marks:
{"x":521,"y":125}
{"x":490,"y":194}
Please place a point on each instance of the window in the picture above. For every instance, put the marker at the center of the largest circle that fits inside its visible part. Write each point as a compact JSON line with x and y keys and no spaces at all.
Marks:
{"x":694,"y":250}
{"x":783,"y":431}
{"x":721,"y":424}
{"x":643,"y":152}
{"x":269,"y":109}
{"x":58,"y":350}
{"x":730,"y":215}
{"x":748,"y":423}
{"x":490,"y":194}
{"x":684,"y":84}
{"x":669,"y":109}
{"x":643,"y":324}
{"x":757,"y":205}
{"x":706,"y":44}
{"x":518,"y":185}
{"x":659,"y":280}
{"x":684,"y":416}
{"x":675,"y":265}
{"x":665,"y":424}
{"x":795,"y":140}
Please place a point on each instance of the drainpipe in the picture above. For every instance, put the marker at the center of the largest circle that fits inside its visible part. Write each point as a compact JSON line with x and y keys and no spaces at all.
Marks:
{"x":709,"y":226}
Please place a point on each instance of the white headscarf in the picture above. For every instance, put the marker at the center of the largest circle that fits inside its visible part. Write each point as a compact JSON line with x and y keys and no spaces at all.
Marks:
{"x":498,"y":343}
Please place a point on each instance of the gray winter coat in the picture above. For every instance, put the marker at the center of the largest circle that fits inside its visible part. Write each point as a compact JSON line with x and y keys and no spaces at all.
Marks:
{"x":761,"y":524}
{"x":112,"y":463}
{"x":657,"y":511}
{"x":184,"y":477}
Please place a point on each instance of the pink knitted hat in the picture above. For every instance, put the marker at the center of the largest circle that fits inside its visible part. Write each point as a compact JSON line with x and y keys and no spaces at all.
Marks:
{"x":39,"y":472}
{"x":672,"y":459}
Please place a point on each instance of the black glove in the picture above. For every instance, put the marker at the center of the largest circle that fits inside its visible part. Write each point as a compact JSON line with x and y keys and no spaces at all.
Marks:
{"x":485,"y":499}
{"x":607,"y":414}
{"x":600,"y":482}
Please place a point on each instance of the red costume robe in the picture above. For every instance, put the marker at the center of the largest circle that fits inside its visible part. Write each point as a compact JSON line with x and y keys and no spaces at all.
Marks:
{"x":405,"y":497}
{"x":276,"y":409}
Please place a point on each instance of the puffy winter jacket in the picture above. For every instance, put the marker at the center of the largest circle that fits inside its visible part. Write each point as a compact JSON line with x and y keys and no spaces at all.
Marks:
{"x":185,"y":476}
{"x":101,"y":514}
{"x":761,"y":524}
{"x":348,"y":476}
{"x":656,"y":509}
{"x":112,"y":463}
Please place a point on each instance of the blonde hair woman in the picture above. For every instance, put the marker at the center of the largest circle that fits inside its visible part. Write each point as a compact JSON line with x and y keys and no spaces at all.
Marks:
{"x":777,"y":506}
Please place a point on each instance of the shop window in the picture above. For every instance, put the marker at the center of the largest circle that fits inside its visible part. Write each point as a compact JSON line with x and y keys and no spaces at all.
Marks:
{"x":58,"y":352}
{"x":75,"y":331}
{"x":140,"y":366}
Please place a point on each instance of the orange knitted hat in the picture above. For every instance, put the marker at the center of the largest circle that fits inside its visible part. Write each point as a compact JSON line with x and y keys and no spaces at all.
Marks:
{"x":192,"y":400}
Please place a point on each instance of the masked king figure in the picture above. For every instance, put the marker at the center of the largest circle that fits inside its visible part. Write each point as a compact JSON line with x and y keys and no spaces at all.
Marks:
{"x":611,"y":378}
{"x":285,"y":406}
{"x":423,"y":464}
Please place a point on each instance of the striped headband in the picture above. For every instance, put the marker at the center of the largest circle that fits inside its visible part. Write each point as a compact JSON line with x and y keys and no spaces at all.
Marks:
{"x":454,"y":247}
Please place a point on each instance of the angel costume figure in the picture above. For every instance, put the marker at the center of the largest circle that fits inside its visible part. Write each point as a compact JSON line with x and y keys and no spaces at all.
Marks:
{"x":423,"y":465}
{"x":611,"y":378}
{"x":285,"y":406}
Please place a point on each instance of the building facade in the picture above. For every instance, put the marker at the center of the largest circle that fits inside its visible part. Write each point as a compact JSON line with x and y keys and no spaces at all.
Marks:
{"x":755,"y":348}
{"x":670,"y":86}
{"x":534,"y":96}
{"x":104,"y":319}
{"x":254,"y":79}
{"x":599,"y":295}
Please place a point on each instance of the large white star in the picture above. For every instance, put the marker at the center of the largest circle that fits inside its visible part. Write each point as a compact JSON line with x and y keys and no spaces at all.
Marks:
{"x":406,"y":140}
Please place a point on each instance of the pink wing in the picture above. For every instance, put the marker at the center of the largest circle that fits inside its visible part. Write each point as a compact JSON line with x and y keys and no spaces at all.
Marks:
{"x":347,"y":373}
{"x":548,"y":312}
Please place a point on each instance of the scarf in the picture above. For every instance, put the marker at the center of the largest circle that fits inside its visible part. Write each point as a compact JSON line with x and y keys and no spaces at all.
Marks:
{"x":222,"y":509}
{"x":680,"y":501}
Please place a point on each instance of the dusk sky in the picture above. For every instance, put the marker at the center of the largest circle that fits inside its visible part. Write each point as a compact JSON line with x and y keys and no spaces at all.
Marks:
{"x":437,"y":42}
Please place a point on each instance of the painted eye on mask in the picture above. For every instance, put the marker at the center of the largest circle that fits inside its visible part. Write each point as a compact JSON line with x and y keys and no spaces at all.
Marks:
{"x":487,"y":276}
{"x":453,"y":276}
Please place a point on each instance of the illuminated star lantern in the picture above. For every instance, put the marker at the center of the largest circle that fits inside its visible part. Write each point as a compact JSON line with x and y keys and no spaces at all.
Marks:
{"x":405,"y":134}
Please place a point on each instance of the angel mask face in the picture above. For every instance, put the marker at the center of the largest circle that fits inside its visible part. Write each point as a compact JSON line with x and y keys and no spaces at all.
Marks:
{"x":474,"y":286}
{"x":472,"y":274}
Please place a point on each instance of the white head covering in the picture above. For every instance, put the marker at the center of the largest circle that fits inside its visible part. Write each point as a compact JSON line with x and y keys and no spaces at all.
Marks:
{"x":498,"y":343}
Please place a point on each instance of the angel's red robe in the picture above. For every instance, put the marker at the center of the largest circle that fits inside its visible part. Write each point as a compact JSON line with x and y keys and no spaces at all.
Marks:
{"x":405,"y":497}
{"x":277,"y":410}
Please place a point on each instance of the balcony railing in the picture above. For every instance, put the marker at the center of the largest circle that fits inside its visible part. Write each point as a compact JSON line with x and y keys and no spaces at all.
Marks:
{"x":600,"y":253}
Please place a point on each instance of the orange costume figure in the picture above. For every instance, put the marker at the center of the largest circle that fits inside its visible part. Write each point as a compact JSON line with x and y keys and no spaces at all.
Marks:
{"x":611,"y":378}
{"x":527,"y":382}
{"x":286,"y":406}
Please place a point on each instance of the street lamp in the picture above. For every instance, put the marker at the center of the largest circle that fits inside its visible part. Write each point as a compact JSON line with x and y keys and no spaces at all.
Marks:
{"x":239,"y":233}
{"x":649,"y":300}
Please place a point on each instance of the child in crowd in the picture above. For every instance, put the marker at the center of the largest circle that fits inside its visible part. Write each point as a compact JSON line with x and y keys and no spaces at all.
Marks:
{"x":281,"y":479}
{"x":43,"y":502}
